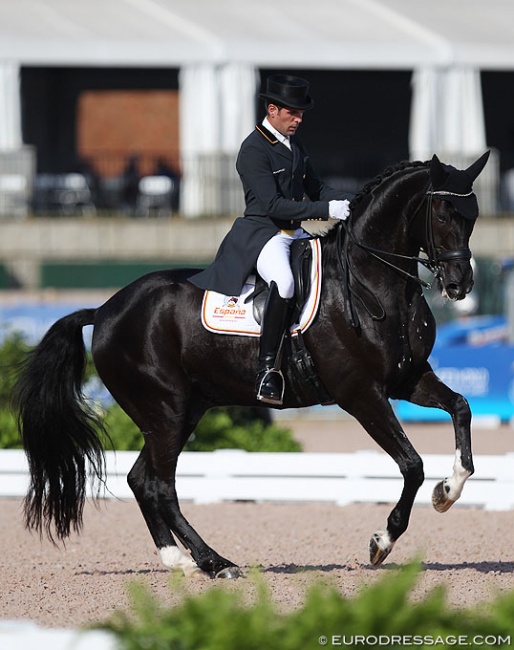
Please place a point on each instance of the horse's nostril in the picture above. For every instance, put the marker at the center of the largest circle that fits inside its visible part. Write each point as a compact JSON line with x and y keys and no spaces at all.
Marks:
{"x":455,"y":291}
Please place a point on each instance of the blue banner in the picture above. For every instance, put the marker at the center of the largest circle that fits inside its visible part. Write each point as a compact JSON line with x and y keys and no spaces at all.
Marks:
{"x":472,"y":358}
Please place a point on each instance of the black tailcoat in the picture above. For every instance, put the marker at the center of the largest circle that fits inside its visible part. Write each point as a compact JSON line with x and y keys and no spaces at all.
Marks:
{"x":281,"y":190}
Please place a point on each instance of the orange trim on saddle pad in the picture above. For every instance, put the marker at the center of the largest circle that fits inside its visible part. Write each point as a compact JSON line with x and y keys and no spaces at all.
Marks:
{"x":231,"y":315}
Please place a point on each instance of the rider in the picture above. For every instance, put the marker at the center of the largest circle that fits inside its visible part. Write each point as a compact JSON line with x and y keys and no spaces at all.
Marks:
{"x":281,"y":190}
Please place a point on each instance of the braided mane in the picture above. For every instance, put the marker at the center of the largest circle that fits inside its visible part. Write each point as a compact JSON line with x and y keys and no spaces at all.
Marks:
{"x":365,"y":191}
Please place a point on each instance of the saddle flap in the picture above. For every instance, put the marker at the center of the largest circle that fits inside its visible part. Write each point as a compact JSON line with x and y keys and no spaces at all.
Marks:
{"x":235,"y":314}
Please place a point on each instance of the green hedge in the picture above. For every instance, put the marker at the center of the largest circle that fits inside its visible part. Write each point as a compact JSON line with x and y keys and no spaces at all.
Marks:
{"x":232,"y":427}
{"x":383,"y":615}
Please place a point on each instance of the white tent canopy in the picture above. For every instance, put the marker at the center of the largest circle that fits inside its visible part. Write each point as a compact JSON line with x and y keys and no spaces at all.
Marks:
{"x":391,"y":34}
{"x":446,"y":114}
{"x":217,"y":108}
{"x":445,"y":41}
{"x":10,"y":118}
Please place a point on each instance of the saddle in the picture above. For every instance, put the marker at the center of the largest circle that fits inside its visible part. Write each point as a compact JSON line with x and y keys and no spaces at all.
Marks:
{"x":235,"y":315}
{"x":296,"y":353}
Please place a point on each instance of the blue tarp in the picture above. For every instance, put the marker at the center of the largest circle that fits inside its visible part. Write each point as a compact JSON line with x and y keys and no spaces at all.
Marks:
{"x":32,"y":319}
{"x":473,"y":358}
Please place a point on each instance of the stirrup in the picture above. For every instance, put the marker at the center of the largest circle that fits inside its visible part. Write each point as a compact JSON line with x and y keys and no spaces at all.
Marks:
{"x":267,"y":390}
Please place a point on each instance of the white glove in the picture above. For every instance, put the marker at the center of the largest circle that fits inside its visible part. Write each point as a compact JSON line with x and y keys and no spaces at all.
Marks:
{"x":339,"y":209}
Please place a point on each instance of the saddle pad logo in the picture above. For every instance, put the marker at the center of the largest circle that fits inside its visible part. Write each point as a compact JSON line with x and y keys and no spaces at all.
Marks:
{"x":232,"y":308}
{"x":232,"y":315}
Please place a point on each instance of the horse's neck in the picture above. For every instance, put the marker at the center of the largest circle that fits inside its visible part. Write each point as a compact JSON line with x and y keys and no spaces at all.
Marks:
{"x":385,"y":220}
{"x":385,"y":223}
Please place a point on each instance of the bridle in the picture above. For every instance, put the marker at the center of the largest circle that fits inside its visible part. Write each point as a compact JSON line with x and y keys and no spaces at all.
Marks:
{"x":432,"y":261}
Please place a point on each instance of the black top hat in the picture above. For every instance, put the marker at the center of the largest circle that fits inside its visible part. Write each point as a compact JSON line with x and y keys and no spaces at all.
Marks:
{"x":285,"y":90}
{"x":456,"y":185}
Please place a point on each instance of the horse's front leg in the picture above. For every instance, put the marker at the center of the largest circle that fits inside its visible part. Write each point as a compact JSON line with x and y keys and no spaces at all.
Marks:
{"x":430,"y":391}
{"x":375,"y":414}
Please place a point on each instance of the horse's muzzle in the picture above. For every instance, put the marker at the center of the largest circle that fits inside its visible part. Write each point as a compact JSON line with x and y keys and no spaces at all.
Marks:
{"x":455,"y":273}
{"x":456,"y":280}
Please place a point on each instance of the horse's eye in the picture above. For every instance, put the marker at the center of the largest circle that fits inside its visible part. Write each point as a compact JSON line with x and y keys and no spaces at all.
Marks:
{"x":443,"y":217}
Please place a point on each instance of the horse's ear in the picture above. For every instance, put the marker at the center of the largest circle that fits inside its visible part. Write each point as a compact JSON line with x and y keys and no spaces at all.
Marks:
{"x":438,"y":174}
{"x":474,"y":170}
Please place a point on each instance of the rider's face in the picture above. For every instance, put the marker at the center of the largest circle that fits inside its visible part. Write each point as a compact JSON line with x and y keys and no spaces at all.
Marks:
{"x":285,"y":120}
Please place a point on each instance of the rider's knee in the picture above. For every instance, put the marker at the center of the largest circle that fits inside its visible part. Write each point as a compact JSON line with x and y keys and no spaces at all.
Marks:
{"x":285,"y":287}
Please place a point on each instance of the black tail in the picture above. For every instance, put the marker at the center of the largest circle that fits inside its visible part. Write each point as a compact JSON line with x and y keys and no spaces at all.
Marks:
{"x":59,"y":432}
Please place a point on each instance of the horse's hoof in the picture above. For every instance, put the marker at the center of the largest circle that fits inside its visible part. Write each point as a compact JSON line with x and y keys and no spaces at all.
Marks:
{"x":230,"y":573}
{"x":380,"y":546}
{"x":440,"y":499}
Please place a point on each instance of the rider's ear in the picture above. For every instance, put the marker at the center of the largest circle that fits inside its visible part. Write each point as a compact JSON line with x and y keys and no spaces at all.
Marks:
{"x":438,"y":174}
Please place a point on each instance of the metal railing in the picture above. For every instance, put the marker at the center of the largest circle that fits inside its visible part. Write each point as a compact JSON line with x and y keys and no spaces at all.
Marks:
{"x":205,"y":185}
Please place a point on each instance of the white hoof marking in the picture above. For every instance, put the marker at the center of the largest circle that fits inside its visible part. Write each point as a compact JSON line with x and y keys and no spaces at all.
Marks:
{"x":383,"y":541}
{"x":175,"y":559}
{"x":454,"y":484}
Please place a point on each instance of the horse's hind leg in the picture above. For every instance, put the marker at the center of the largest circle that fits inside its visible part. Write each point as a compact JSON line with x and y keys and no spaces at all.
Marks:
{"x":158,"y":399}
{"x":170,"y":553}
{"x":430,"y":391}
{"x":152,"y":479}
{"x":376,"y":415}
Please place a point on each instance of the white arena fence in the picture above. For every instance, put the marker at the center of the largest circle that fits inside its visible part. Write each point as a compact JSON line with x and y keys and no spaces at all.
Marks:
{"x":340,"y":478}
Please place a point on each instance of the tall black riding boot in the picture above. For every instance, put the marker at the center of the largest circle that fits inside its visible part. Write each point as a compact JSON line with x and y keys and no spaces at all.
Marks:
{"x":270,"y":380}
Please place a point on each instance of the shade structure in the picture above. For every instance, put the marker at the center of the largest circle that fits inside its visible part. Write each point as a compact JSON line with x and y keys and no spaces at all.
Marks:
{"x":10,"y":119}
{"x":447,"y":115}
{"x":217,"y":111}
{"x":448,"y":41}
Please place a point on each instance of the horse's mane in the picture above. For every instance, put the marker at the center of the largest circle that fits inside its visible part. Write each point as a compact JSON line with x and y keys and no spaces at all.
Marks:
{"x":370,"y":185}
{"x":389,"y":171}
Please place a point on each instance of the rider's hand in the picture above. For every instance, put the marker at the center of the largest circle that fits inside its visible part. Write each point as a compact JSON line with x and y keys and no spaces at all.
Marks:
{"x":339,"y":209}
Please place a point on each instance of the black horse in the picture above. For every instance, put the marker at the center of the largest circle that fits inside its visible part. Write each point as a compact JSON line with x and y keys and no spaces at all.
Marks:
{"x":369,"y":342}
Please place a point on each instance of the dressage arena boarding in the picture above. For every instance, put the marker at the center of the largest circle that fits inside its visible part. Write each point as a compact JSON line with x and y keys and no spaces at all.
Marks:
{"x":299,"y":517}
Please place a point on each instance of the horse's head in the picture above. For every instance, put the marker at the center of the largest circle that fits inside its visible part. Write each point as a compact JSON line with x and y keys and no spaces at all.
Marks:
{"x":451,"y":216}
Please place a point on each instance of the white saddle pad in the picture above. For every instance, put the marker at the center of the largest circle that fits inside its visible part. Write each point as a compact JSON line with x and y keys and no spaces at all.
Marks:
{"x":231,"y":315}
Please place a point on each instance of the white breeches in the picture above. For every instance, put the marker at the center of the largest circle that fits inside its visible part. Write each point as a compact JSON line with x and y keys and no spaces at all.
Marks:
{"x":273,"y":262}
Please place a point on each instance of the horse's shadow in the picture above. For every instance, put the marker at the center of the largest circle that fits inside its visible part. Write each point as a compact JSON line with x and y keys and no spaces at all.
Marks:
{"x":121,"y":572}
{"x":305,"y":568}
{"x":487,"y":566}
{"x":480,"y":567}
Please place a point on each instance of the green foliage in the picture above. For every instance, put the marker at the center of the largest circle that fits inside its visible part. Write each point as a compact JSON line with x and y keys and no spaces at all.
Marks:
{"x":218,"y":429}
{"x":12,"y":353}
{"x":9,"y":436}
{"x":123,"y":433}
{"x":226,"y":429}
{"x":381,"y":615}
